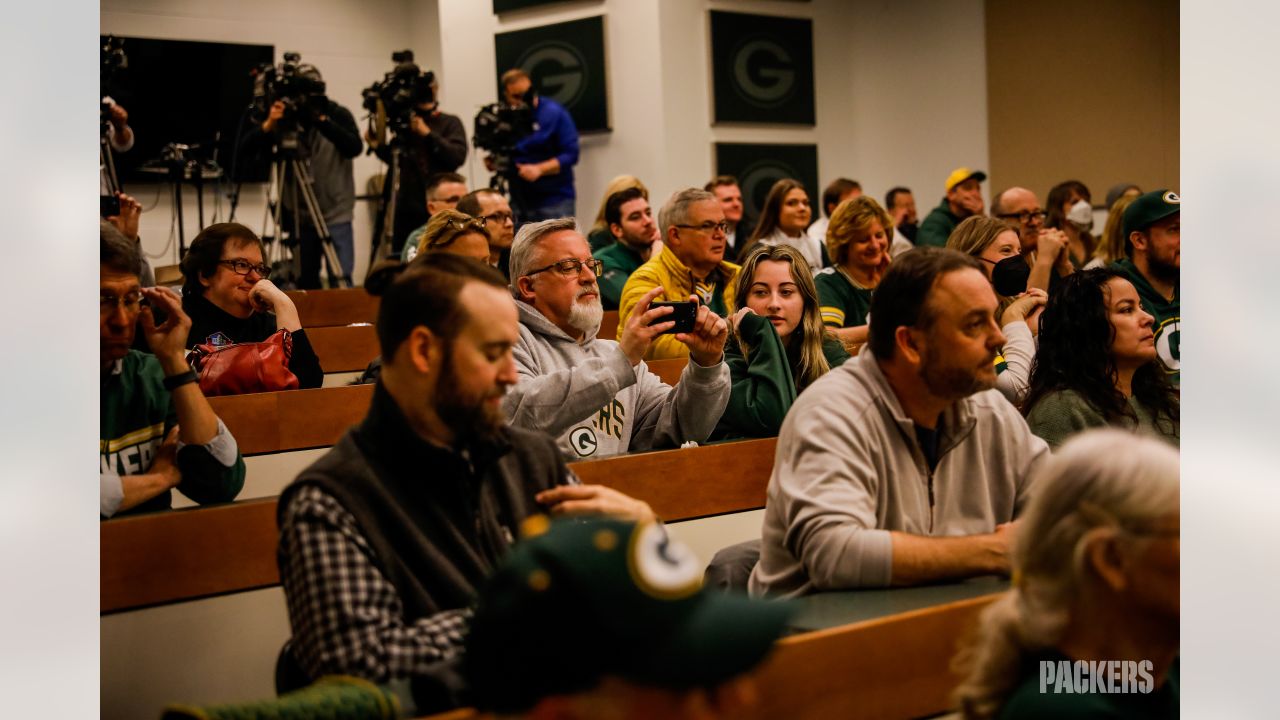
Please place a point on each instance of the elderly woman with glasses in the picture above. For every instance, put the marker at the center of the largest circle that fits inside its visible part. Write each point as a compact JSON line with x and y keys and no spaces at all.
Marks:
{"x":230,"y":300}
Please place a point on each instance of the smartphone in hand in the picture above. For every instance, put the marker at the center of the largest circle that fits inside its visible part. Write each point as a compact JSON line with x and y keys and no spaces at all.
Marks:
{"x":685,"y":315}
{"x":109,"y":205}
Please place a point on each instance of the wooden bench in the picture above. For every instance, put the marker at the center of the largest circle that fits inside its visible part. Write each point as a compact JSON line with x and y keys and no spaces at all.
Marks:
{"x":608,"y":326}
{"x":344,"y":348}
{"x":897,"y":666}
{"x":200,"y":552}
{"x":290,"y":420}
{"x":339,"y":306}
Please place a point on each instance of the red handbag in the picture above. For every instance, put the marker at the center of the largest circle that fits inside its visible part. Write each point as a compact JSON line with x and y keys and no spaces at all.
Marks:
{"x":245,"y":367}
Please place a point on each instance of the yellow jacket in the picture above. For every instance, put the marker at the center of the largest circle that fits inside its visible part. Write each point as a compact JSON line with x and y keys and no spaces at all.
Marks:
{"x":677,"y":284}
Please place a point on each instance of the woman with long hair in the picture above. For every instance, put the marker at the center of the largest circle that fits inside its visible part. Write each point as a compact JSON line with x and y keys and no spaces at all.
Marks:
{"x":1070,"y":210}
{"x":784,"y":220}
{"x":1111,"y":245}
{"x":1097,"y":364}
{"x":995,"y":243}
{"x":1095,"y":577}
{"x":230,"y":300}
{"x":778,"y":346}
{"x":599,"y":236}
{"x":858,"y":238}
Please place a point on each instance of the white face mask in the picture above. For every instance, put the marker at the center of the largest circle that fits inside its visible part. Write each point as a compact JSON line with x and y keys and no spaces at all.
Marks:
{"x":1081,"y":215}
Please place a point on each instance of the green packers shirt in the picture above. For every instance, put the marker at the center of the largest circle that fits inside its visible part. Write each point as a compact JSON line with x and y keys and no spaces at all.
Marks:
{"x":842,"y":303}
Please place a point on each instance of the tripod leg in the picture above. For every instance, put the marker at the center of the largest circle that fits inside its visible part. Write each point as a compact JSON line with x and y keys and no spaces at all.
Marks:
{"x":304,"y":184}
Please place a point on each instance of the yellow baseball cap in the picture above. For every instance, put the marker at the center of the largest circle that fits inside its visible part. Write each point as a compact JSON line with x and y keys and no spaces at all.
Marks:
{"x":959,"y":175}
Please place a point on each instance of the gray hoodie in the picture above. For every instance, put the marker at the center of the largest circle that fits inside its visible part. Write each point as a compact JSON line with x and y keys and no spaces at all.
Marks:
{"x":589,"y":397}
{"x":849,"y":469}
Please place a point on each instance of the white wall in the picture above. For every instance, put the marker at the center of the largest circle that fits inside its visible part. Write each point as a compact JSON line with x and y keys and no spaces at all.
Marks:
{"x":901,"y":89}
{"x":350,"y":42}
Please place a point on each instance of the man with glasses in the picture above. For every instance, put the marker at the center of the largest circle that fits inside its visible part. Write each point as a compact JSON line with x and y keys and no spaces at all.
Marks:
{"x":1045,"y":250}
{"x":157,"y":431}
{"x":491,"y":206}
{"x":691,"y":266}
{"x":597,"y":397}
{"x":444,"y":192}
{"x":635,"y":232}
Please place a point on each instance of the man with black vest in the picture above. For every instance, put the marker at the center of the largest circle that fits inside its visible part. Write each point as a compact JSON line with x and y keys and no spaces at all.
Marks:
{"x":385,"y":539}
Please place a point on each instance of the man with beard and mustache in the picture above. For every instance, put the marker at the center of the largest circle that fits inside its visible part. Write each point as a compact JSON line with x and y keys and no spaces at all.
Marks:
{"x":385,"y":540}
{"x":903,"y":466}
{"x":1153,"y":242}
{"x":635,"y":234}
{"x":597,"y":396}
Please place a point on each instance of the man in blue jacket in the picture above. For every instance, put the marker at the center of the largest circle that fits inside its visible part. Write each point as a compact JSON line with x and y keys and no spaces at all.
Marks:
{"x":542,"y":186}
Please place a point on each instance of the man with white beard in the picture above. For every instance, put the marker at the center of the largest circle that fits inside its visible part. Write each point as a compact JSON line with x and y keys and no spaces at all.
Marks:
{"x":597,"y":397}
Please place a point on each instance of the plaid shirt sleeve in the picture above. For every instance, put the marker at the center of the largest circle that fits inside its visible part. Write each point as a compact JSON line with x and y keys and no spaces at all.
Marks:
{"x":345,"y":615}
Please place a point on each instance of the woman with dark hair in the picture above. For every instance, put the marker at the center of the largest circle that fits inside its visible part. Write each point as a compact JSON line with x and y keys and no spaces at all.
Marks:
{"x":1069,"y":210}
{"x":1097,"y":365}
{"x":785,"y":220}
{"x":230,"y":300}
{"x":778,"y":345}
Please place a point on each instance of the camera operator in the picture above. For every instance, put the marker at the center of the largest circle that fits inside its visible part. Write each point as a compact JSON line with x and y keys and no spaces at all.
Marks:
{"x":435,"y":143}
{"x":542,"y":184}
{"x":328,"y":139}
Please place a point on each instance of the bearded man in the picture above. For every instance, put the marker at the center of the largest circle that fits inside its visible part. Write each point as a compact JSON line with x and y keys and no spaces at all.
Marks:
{"x":903,"y":466}
{"x":385,"y":539}
{"x":597,"y":397}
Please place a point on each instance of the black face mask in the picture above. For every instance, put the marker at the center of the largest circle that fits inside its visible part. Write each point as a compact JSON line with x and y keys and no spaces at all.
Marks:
{"x":908,"y":231}
{"x":1009,"y":276}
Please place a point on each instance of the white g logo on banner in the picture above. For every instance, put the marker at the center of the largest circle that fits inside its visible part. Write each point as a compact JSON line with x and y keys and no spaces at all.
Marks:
{"x":561,"y":69}
{"x":773,"y":64}
{"x":758,"y":177}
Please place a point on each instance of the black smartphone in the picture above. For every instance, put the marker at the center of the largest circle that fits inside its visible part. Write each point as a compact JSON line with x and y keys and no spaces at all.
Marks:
{"x":110,"y":205}
{"x":685,"y":315}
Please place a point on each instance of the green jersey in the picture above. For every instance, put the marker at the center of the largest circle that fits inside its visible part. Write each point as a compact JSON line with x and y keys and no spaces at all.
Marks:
{"x":842,"y":303}
{"x":619,"y":262}
{"x":1167,"y":315}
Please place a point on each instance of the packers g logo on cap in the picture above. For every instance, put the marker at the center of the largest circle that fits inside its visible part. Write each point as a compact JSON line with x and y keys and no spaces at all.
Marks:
{"x":660,"y":566}
{"x":1172,"y":198}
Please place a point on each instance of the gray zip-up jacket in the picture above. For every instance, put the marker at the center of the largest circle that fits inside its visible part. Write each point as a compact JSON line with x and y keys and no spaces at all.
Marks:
{"x":589,"y":397}
{"x":849,"y":469}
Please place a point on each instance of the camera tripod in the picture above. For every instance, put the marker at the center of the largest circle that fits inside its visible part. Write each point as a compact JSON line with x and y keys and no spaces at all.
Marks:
{"x":291,"y":174}
{"x":385,"y":229}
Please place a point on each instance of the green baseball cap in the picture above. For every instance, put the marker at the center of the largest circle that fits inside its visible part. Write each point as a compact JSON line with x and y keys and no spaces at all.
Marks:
{"x":1149,"y":208}
{"x":586,"y":599}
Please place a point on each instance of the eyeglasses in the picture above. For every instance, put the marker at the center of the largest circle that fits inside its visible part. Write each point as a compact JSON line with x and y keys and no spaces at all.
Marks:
{"x":1024,"y":216}
{"x":499,"y":217}
{"x":571,"y":267}
{"x":241,"y":266}
{"x":708,"y":227}
{"x":132,"y":302}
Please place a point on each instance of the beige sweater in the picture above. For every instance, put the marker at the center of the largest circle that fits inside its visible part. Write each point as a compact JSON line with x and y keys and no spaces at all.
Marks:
{"x":848,"y":470}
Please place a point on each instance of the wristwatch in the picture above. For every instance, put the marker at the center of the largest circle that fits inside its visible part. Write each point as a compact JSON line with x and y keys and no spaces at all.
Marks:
{"x":173,"y":382}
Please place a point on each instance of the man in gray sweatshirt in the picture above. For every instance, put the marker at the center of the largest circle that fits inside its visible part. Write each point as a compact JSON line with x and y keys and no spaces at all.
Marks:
{"x":597,"y":397}
{"x":903,"y":466}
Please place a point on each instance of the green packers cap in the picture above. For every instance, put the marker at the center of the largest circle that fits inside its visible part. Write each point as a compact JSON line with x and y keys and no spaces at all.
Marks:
{"x":587,"y":599}
{"x":959,"y":175}
{"x":1149,"y":208}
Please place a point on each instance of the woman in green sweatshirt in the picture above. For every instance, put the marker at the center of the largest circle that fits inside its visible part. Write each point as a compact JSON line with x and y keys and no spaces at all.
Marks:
{"x":778,"y":346}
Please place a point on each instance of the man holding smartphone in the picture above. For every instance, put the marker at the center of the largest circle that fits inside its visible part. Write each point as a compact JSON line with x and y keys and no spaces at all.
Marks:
{"x":597,"y":397}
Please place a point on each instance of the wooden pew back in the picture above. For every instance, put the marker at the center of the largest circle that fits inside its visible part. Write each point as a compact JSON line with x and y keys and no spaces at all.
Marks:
{"x":345,"y":348}
{"x":339,"y":306}
{"x":199,"y":552}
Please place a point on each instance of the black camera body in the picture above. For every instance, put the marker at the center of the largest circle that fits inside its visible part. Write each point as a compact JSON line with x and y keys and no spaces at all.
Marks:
{"x":400,"y":92}
{"x":296,"y":85}
{"x":498,"y":127}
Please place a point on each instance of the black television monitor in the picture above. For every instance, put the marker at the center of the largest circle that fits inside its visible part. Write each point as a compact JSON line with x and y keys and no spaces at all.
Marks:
{"x":181,"y":91}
